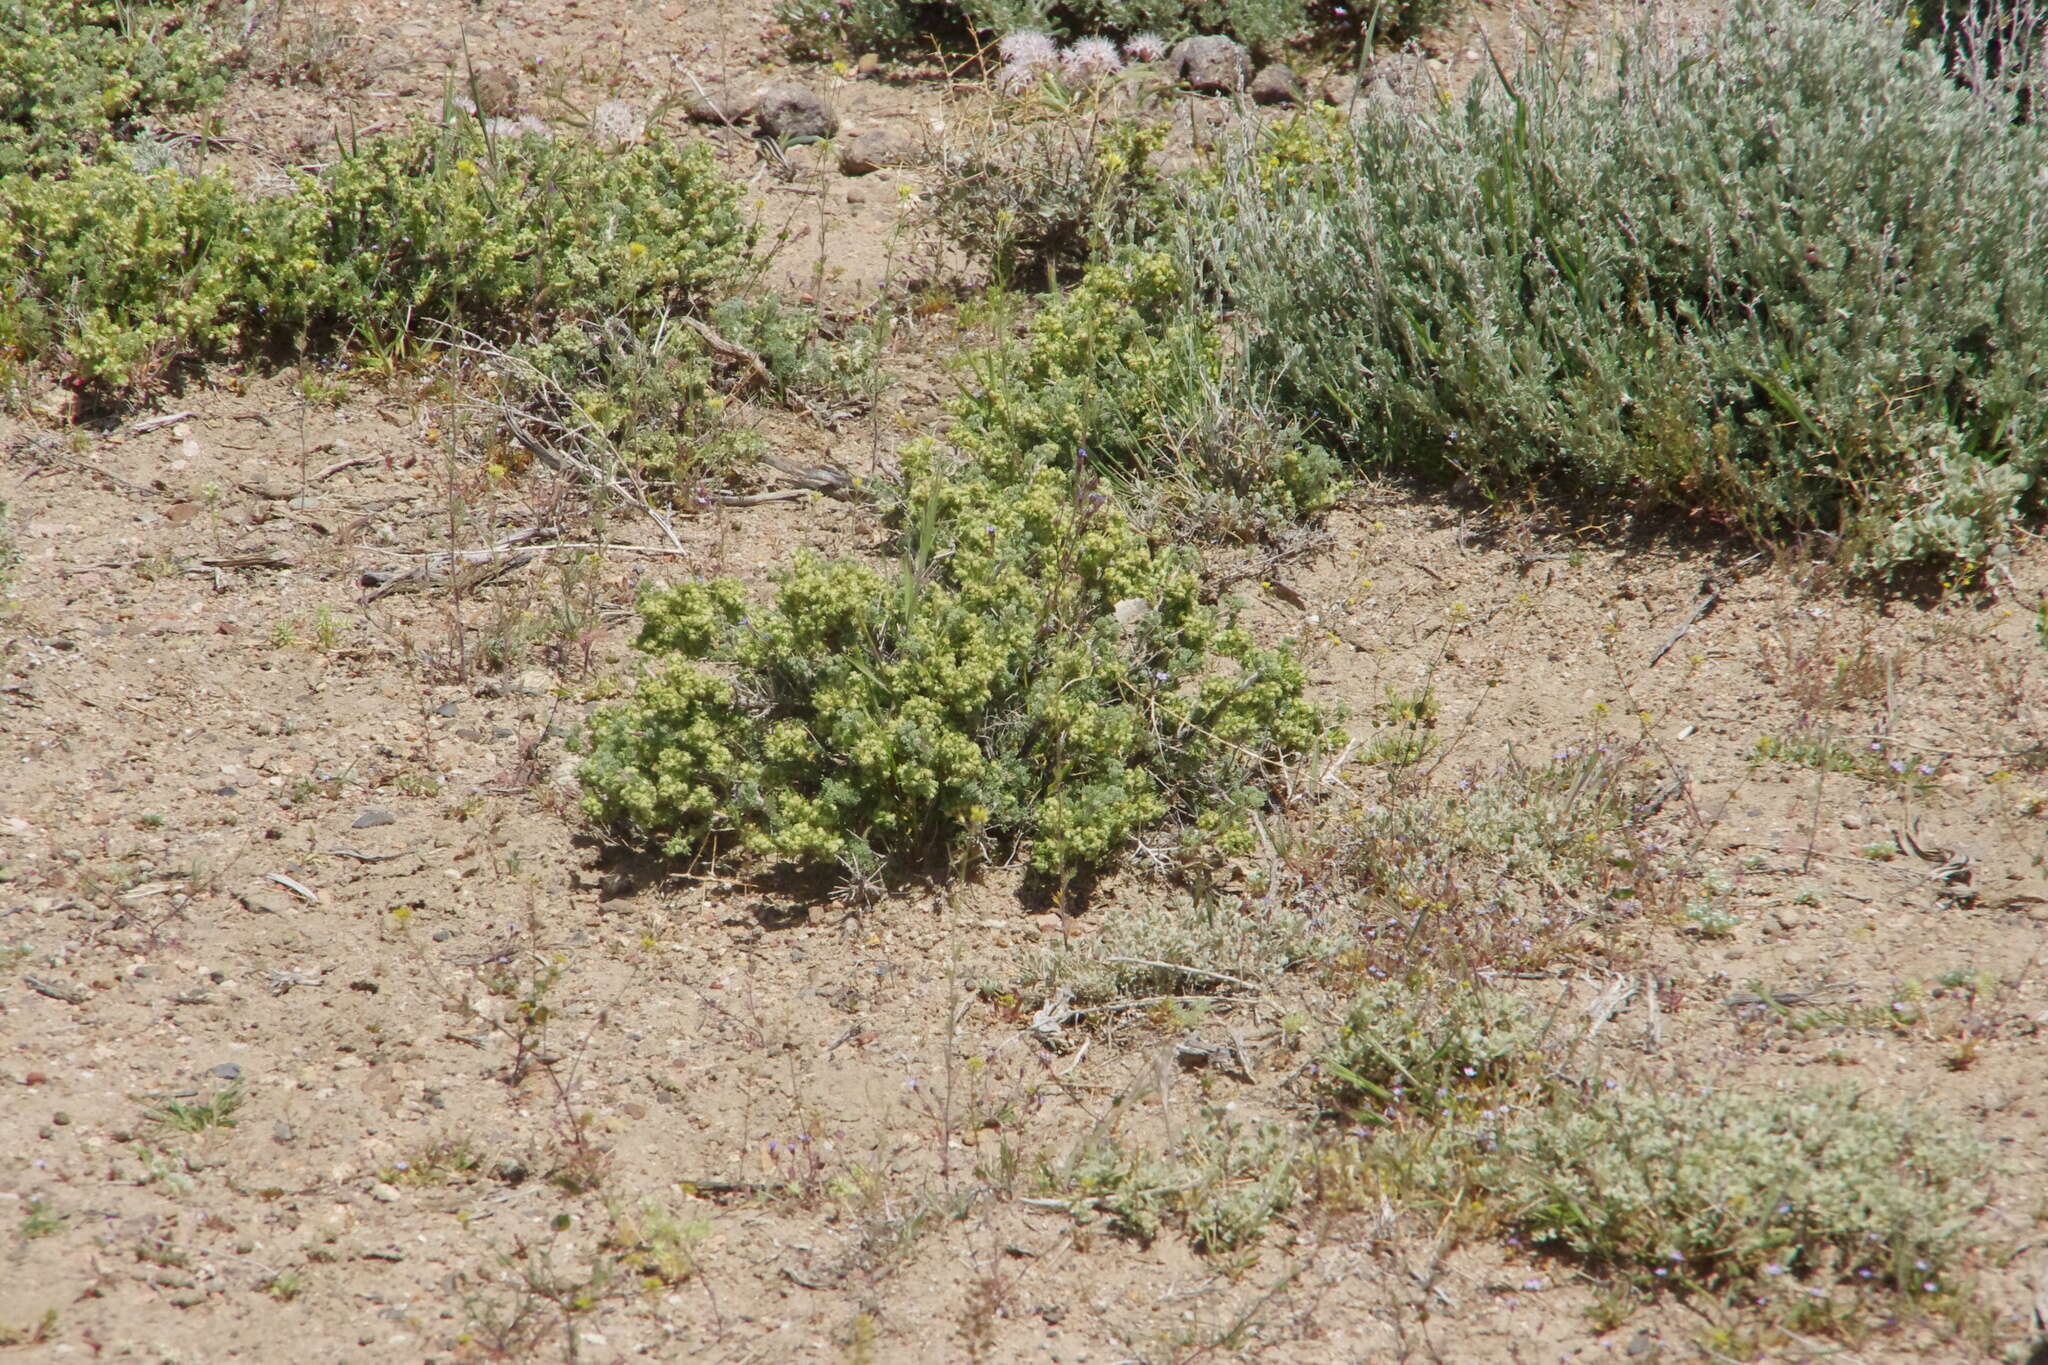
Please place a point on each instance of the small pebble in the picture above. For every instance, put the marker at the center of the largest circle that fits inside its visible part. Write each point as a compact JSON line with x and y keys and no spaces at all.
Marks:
{"x":372,"y":817}
{"x":62,"y":1118}
{"x":227,"y":1071}
{"x":282,"y":1132}
{"x":385,"y":1194}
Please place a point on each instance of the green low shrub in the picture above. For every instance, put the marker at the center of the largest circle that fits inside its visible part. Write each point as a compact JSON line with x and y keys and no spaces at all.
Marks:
{"x":1721,"y":1188}
{"x":507,"y":236}
{"x":1679,"y":1189}
{"x":629,"y":399}
{"x":76,"y":75}
{"x":1787,"y":275}
{"x":834,"y":363}
{"x":1120,"y":368}
{"x":1031,"y":672}
{"x":113,"y":273}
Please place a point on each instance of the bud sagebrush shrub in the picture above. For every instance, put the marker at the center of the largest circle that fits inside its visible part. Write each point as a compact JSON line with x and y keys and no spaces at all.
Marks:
{"x":114,"y":273}
{"x":76,"y":75}
{"x":1787,"y":275}
{"x":1120,"y":366}
{"x":1030,"y":672}
{"x":510,"y":235}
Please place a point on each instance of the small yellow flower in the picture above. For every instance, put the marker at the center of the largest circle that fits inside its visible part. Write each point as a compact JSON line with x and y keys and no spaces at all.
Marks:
{"x":466,"y":166}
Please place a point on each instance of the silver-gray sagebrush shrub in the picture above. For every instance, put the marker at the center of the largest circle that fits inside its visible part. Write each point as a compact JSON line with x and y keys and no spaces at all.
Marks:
{"x":1030,"y":673}
{"x":1787,"y":275}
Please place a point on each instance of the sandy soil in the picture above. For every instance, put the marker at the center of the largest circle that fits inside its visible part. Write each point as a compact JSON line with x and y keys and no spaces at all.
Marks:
{"x":266,"y":828}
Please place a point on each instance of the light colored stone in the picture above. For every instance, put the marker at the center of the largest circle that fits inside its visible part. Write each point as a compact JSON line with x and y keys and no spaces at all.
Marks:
{"x":790,"y":113}
{"x":718,"y":108}
{"x":1276,"y":84}
{"x":1211,"y":64}
{"x":495,"y":90}
{"x":864,"y":153}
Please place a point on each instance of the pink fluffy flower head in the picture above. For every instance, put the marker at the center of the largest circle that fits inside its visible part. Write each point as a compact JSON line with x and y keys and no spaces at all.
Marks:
{"x":1145,"y":47}
{"x":1028,"y":48}
{"x":1090,"y":60}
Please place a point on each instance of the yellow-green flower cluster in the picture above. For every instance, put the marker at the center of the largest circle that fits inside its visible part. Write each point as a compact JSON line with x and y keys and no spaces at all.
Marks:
{"x":1033,"y":672}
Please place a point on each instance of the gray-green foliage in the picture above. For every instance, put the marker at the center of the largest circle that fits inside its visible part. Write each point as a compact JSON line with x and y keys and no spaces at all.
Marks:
{"x":1407,"y":1051}
{"x":1496,"y":868}
{"x":1213,"y":945}
{"x":1054,"y":183}
{"x":1718,"y":1187}
{"x":1472,"y":1108}
{"x":1999,"y":48}
{"x":76,"y":75}
{"x":1221,"y":1184}
{"x":1788,"y":274}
